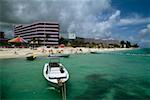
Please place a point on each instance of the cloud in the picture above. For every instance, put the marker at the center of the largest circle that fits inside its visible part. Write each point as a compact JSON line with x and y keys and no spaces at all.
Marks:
{"x":144,"y":36}
{"x":145,"y":32}
{"x":79,"y":16}
{"x":133,"y":21}
{"x":105,"y":27}
{"x":114,"y":16}
{"x":93,"y":28}
{"x":86,"y":18}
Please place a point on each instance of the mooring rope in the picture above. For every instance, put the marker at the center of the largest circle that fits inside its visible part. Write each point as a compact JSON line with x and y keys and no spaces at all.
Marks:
{"x":64,"y":92}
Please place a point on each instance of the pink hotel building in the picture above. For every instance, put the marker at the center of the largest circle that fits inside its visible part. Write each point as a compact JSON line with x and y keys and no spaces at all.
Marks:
{"x":46,"y":33}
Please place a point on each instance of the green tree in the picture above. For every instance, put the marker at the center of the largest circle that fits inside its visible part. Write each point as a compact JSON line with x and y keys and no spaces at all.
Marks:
{"x":128,"y":44}
{"x":135,"y":45}
{"x":63,"y":41}
{"x":122,"y":43}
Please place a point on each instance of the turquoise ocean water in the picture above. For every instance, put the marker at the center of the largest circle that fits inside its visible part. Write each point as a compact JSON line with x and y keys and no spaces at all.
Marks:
{"x":121,"y":75}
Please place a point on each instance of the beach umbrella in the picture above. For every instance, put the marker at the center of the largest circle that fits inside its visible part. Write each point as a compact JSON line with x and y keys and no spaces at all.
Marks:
{"x":62,"y":46}
{"x":18,"y":40}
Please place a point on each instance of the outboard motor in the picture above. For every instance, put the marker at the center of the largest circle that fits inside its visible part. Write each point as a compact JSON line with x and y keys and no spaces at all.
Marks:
{"x":61,"y":70}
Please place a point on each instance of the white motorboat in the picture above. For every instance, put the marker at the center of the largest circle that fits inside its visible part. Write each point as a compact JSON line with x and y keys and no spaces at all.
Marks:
{"x":54,"y":72}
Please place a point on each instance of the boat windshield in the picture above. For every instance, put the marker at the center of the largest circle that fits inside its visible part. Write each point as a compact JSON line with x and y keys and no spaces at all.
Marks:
{"x":54,"y":60}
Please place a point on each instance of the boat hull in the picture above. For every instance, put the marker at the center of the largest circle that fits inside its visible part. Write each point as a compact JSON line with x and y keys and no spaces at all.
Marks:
{"x":95,"y":52}
{"x":59,"y":55}
{"x":30,"y":58}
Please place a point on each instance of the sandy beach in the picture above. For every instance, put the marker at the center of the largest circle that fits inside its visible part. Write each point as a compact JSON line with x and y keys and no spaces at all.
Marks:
{"x":42,"y":51}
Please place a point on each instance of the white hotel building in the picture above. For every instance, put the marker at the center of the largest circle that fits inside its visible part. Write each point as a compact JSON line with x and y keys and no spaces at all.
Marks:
{"x":46,"y":33}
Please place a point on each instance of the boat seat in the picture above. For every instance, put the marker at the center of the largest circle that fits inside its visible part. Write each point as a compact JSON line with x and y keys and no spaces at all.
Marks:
{"x":55,"y":73}
{"x":55,"y":69}
{"x":53,"y":64}
{"x":62,"y":70}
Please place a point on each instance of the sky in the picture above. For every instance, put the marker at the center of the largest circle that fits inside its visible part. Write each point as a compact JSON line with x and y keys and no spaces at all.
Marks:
{"x":127,"y":20}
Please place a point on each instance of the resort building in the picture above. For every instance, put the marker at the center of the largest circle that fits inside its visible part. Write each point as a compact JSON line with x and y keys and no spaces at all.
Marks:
{"x":41,"y":33}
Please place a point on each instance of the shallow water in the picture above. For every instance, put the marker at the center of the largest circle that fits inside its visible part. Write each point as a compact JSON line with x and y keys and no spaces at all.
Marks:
{"x":107,"y":76}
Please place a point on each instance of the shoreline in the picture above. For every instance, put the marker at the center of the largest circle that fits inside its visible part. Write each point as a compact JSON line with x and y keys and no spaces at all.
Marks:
{"x":6,"y":53}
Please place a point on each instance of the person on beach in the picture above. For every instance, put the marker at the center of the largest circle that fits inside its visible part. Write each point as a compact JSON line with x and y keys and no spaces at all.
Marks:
{"x":80,"y":50}
{"x":57,"y":51}
{"x":76,"y":50}
{"x":71,"y":51}
{"x":49,"y":51}
{"x":42,"y":50}
{"x":52,"y":52}
{"x":62,"y":51}
{"x":15,"y":53}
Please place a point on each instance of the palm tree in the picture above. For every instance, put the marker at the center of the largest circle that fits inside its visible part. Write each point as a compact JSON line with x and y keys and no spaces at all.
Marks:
{"x":128,"y":44}
{"x":122,"y":43}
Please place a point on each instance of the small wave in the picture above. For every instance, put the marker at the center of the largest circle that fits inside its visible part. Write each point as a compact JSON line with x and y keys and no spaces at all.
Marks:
{"x":128,"y":54}
{"x":52,"y":88}
{"x":132,"y":54}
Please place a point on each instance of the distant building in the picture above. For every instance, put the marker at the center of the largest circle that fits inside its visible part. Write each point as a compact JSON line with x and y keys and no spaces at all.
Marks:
{"x":71,"y":36}
{"x":45,"y":33}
